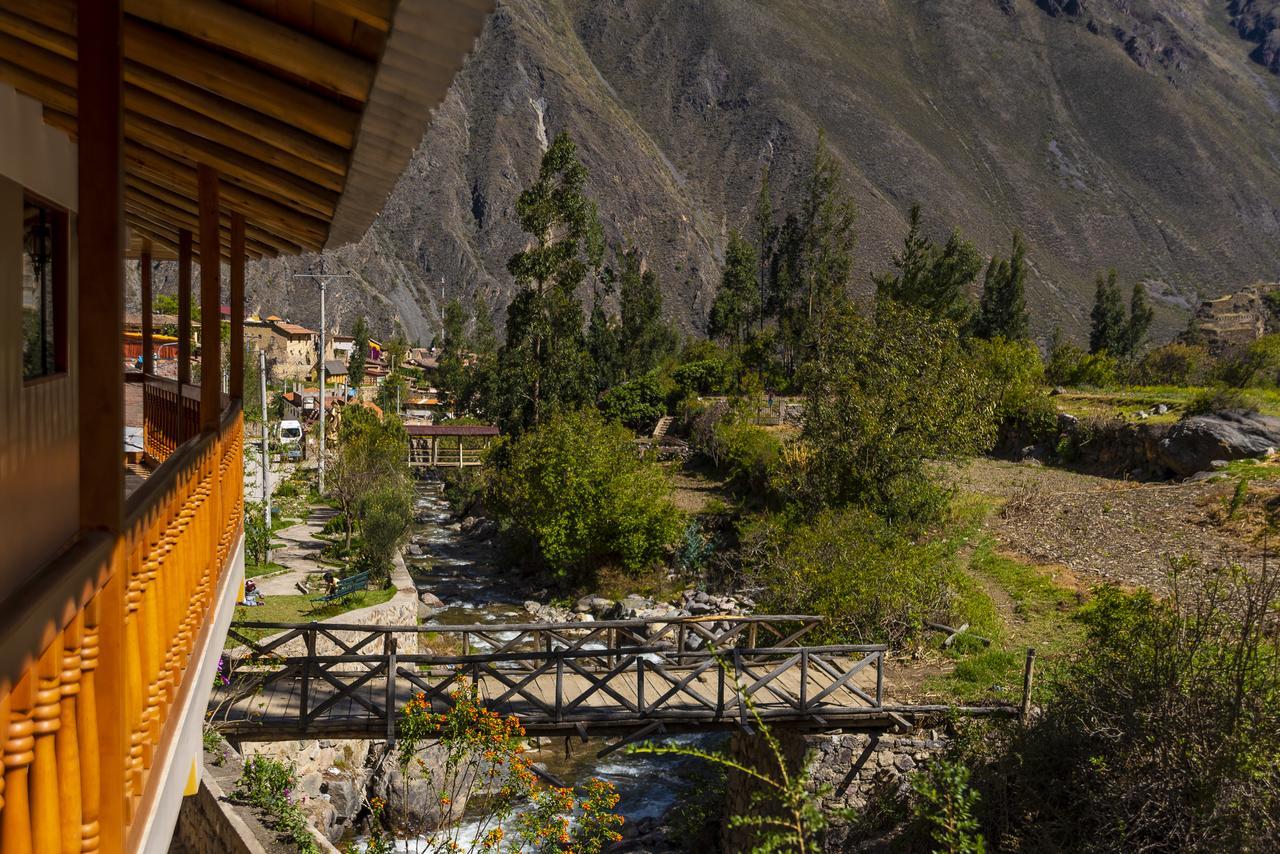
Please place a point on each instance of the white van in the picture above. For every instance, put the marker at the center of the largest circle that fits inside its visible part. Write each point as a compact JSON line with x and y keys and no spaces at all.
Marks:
{"x":290,"y":435}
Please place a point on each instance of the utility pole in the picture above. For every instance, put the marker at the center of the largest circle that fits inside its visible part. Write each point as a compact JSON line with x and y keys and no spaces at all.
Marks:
{"x":266,"y":468}
{"x":322,"y":277}
{"x":321,"y":459}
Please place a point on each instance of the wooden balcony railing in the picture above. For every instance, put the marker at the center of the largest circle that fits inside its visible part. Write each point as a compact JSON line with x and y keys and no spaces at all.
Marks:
{"x":170,"y":415}
{"x":108,"y":636}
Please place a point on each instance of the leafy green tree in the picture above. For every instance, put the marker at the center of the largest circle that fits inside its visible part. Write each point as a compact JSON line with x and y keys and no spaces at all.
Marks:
{"x":1107,"y":330}
{"x":737,"y":301}
{"x":257,"y":537}
{"x":1256,"y":363}
{"x":1140,"y":316}
{"x":359,"y":353}
{"x":644,"y":338}
{"x":574,"y":493}
{"x":386,"y":512}
{"x":1002,"y":310}
{"x":637,"y":403}
{"x":934,"y":280}
{"x":890,"y":394}
{"x":370,"y":453}
{"x":544,"y":364}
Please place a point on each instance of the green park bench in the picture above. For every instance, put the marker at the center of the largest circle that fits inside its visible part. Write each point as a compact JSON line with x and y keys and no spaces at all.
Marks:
{"x":348,"y":586}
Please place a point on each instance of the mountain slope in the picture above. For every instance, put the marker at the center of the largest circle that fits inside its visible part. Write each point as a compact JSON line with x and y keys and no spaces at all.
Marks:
{"x":1130,"y":133}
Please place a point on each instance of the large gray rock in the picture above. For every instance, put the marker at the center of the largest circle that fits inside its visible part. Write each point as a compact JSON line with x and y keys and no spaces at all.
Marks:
{"x":413,"y":800}
{"x":1193,"y":444}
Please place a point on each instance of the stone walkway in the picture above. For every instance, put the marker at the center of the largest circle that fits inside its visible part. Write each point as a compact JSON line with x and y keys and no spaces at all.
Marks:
{"x":300,"y":554}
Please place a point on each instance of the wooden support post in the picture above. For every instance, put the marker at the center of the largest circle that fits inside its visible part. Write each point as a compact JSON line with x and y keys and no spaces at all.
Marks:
{"x":210,"y":303}
{"x":184,"y":310}
{"x":148,"y":342}
{"x":879,"y":679}
{"x":1028,"y":673}
{"x":100,"y":320}
{"x":236,"y":381}
{"x":391,"y":689}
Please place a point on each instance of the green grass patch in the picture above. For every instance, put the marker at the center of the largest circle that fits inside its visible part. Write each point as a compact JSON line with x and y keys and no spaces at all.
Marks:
{"x":300,"y":609}
{"x":254,"y":570}
{"x":1038,"y":612}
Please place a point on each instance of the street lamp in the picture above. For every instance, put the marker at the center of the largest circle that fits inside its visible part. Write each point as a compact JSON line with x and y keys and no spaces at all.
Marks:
{"x":322,"y":277}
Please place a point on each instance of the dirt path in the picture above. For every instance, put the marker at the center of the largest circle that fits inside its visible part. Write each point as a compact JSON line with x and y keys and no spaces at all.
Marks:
{"x":1101,"y":529}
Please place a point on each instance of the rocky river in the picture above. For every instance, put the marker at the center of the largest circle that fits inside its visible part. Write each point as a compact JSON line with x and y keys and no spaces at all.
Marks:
{"x":456,"y":571}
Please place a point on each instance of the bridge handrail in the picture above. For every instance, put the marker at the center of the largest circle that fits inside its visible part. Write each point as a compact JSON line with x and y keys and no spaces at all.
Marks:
{"x":449,"y":628}
{"x":538,"y":655}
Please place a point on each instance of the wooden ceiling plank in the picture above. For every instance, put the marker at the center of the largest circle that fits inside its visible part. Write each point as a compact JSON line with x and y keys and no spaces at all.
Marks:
{"x":159,"y":95}
{"x":268,"y":180}
{"x":375,"y":13}
{"x":200,"y":125}
{"x":149,"y":192}
{"x":261,"y":39}
{"x":149,"y":48}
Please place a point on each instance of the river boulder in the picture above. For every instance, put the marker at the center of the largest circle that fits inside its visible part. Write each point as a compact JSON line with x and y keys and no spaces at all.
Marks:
{"x":1193,"y":444}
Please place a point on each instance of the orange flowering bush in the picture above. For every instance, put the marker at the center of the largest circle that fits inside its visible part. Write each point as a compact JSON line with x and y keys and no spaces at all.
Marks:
{"x":485,"y":759}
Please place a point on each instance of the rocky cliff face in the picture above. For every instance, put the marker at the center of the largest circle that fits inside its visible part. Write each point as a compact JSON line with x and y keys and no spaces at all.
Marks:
{"x":1128,"y":133}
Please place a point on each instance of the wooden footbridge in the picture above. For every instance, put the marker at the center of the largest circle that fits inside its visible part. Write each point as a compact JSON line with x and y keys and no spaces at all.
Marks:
{"x":629,"y":677}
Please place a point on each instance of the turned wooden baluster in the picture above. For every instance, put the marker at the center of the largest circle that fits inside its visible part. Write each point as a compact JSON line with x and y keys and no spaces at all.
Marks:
{"x":15,"y":821}
{"x":152,"y":646}
{"x":87,"y":728}
{"x":134,"y":699}
{"x":4,"y":723}
{"x":46,"y":717}
{"x":68,"y":739}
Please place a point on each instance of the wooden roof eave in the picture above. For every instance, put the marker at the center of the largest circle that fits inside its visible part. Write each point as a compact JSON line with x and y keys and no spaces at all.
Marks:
{"x":400,"y":103}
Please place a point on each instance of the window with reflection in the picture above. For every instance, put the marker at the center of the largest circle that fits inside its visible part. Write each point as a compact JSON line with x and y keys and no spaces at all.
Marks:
{"x":44,"y":278}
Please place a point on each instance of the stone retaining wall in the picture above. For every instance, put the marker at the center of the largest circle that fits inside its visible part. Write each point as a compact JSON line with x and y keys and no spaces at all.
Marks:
{"x":859,"y":767}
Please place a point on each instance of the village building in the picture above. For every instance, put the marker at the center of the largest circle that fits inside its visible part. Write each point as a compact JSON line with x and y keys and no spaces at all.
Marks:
{"x":243,"y":131}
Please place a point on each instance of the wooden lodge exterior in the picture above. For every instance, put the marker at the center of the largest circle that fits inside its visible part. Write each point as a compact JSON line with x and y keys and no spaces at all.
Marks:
{"x":209,"y":131}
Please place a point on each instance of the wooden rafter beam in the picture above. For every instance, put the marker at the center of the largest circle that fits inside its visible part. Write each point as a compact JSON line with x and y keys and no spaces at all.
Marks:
{"x":375,"y":13}
{"x":179,"y":202}
{"x":157,"y":51}
{"x":308,"y":232}
{"x":299,"y":229}
{"x":262,"y":40}
{"x":260,"y":241}
{"x":179,"y":104}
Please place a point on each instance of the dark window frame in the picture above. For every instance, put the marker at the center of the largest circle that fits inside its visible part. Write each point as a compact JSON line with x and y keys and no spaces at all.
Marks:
{"x":60,"y":261}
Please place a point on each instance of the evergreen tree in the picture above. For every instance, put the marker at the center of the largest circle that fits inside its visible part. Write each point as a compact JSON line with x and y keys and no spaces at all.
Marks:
{"x":603,"y":343}
{"x":736,"y":303}
{"x":451,"y":374}
{"x":1140,"y":316}
{"x":484,"y":339}
{"x":478,"y":392}
{"x":359,"y":353}
{"x":813,"y":261}
{"x":544,"y":364}
{"x":644,"y":337}
{"x":766,"y":233}
{"x":1002,"y":311}
{"x":1107,"y":331}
